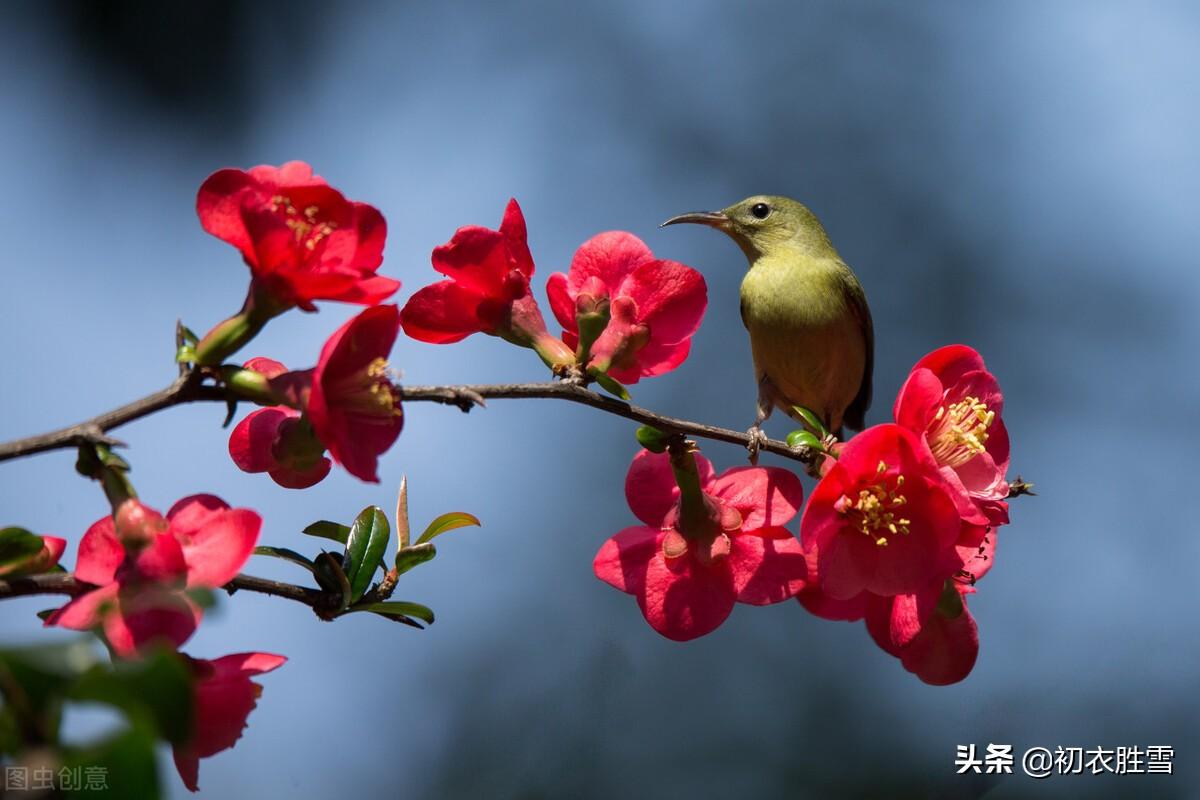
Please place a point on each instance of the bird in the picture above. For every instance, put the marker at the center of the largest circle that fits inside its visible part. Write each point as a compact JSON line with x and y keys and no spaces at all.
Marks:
{"x":810,"y":327}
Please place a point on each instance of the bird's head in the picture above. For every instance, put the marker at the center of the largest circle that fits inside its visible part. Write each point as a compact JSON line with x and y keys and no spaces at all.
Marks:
{"x":762,"y":224}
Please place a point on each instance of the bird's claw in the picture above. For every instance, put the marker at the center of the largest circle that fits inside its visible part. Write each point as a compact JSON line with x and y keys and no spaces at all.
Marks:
{"x":757,"y":440}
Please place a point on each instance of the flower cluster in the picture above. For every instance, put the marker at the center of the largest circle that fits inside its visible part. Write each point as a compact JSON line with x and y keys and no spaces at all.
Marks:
{"x":346,"y":404}
{"x":626,"y":314}
{"x":900,"y":527}
{"x":142,"y":568}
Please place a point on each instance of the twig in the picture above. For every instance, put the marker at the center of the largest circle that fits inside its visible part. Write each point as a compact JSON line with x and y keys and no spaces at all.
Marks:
{"x":187,"y":388}
{"x":65,"y":583}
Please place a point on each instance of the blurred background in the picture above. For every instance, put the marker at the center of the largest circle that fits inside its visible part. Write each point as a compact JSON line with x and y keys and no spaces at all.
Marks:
{"x":1019,"y":176}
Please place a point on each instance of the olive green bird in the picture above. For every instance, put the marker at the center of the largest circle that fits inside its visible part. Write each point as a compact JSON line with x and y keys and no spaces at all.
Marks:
{"x":810,"y":327}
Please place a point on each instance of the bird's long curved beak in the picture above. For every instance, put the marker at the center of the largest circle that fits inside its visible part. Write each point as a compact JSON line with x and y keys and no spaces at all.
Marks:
{"x":713,"y":219}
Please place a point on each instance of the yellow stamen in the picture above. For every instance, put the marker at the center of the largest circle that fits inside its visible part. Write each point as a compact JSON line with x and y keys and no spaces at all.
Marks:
{"x":308,"y":231}
{"x":959,"y":431}
{"x":873,"y":512}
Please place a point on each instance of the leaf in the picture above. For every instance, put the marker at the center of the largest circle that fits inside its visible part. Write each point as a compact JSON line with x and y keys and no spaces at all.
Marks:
{"x":448,"y":522}
{"x":611,"y":385}
{"x":410,"y":557}
{"x":332,"y":578}
{"x":157,"y":688}
{"x":329,"y":530}
{"x":653,"y":439}
{"x":17,"y":545}
{"x":400,"y":608}
{"x":127,"y":763}
{"x":402,"y":530}
{"x":804,"y":439}
{"x":813,"y":421}
{"x":287,"y":555}
{"x":365,"y":546}
{"x":33,"y":681}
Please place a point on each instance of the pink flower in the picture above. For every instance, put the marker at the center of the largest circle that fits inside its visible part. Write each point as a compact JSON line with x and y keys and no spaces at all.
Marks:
{"x":881,"y":519}
{"x":302,"y":239}
{"x":717,"y":541}
{"x":486,"y":291}
{"x":224,"y":698}
{"x":653,"y":305}
{"x":955,"y":404}
{"x":141,"y":563}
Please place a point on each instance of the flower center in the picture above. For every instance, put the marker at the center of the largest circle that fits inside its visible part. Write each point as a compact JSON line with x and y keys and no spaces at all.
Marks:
{"x":305,"y":226}
{"x":959,"y":431}
{"x":873,"y":511}
{"x":371,"y":393}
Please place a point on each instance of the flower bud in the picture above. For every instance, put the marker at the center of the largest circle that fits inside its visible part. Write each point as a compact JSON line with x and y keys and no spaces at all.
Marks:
{"x":137,"y":525}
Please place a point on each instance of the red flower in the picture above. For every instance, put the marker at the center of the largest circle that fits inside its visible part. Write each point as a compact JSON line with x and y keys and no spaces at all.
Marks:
{"x":224,"y":698}
{"x":41,"y":561}
{"x":302,"y":240}
{"x":140,"y":562}
{"x":955,"y":404}
{"x":349,"y":402}
{"x":487,"y":291}
{"x":718,"y":541}
{"x":933,"y":633}
{"x":654,"y":306}
{"x":353,"y":405}
{"x":881,"y":519}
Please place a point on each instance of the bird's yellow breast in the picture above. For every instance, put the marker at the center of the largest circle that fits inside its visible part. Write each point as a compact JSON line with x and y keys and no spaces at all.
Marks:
{"x":804,"y":337}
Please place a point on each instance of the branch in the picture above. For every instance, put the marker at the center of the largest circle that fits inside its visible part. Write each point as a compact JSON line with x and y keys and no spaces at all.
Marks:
{"x":65,"y":583}
{"x":465,"y":397}
{"x":187,"y":388}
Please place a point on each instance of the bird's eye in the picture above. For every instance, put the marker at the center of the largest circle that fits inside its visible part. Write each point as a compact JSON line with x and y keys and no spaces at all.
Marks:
{"x":760,"y":210}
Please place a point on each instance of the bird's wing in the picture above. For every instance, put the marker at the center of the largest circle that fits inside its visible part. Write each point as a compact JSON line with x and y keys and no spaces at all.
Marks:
{"x":856,"y":301}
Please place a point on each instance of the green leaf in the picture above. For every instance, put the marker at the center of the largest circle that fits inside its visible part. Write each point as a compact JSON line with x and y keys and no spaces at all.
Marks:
{"x":157,"y":688}
{"x":125,"y":761}
{"x":364,"y":548}
{"x":812,"y":419}
{"x":804,"y":439}
{"x":329,"y":530}
{"x":611,"y":385}
{"x":448,"y":522}
{"x":653,"y":439}
{"x":186,"y":354}
{"x":287,"y":555}
{"x":332,"y":578}
{"x":17,"y":545}
{"x":401,"y":608}
{"x":410,"y":557}
{"x":188,"y":335}
{"x":34,"y":680}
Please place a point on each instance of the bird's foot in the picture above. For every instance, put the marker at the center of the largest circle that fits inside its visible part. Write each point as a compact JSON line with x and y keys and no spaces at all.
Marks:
{"x":757,"y":440}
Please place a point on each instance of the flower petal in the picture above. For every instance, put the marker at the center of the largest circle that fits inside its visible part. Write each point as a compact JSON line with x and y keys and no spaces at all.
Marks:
{"x":252,"y":443}
{"x":442,"y":313}
{"x":562,"y":302}
{"x":217,"y":550}
{"x":100,"y":553}
{"x":609,"y":256}
{"x":767,"y":568}
{"x":684,"y":600}
{"x":622,"y":560}
{"x":765,"y":496}
{"x":650,"y":485}
{"x":671,"y":299}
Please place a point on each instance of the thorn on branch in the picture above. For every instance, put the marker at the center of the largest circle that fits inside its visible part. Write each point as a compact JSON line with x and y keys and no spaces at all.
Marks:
{"x":92,"y":434}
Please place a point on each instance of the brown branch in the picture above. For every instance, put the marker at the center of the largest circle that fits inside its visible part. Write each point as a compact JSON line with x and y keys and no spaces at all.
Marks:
{"x":65,"y":583}
{"x":187,"y":388}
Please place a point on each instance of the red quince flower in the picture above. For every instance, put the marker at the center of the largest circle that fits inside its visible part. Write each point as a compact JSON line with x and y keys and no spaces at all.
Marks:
{"x":881,"y":519}
{"x":952,"y":401}
{"x":717,"y":541}
{"x":224,"y":696}
{"x":41,"y":561}
{"x":653,"y":306}
{"x":140,"y":563}
{"x":350,"y":407}
{"x":302,"y":239}
{"x":486,"y":291}
{"x":353,"y":405}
